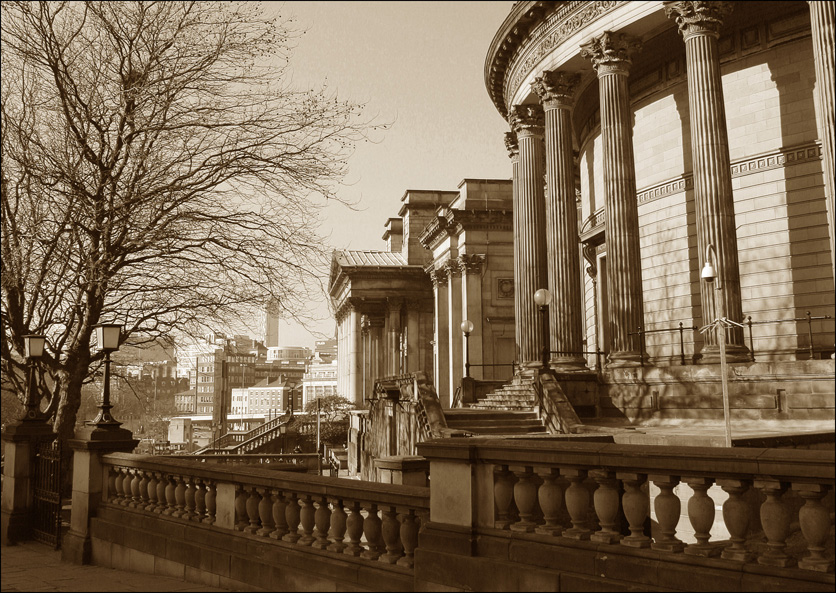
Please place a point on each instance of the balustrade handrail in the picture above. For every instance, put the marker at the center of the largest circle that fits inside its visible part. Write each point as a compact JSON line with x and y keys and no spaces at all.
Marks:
{"x":416,"y":497}
{"x":779,"y":464}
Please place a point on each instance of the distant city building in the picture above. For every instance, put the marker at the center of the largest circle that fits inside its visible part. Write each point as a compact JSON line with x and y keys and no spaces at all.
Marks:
{"x":268,"y":398}
{"x":326,"y":350}
{"x":320,"y":380}
{"x":269,"y":325}
{"x":289,"y":354}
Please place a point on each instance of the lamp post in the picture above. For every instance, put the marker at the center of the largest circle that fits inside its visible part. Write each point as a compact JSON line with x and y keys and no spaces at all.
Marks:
{"x":108,"y":336}
{"x":467,"y":328}
{"x":542,"y":298}
{"x":709,"y":275}
{"x":34,"y":349}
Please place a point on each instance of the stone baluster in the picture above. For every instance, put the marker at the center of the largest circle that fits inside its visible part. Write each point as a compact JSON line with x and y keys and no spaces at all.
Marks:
{"x":525,"y":495}
{"x":135,"y":479}
{"x":636,"y":505}
{"x":265,"y":512}
{"x":550,"y":496}
{"x":153,"y":479}
{"x":409,"y":538}
{"x":142,"y":486}
{"x":307,"y":518}
{"x":699,"y":24}
{"x":180,"y":497}
{"x":814,"y":520}
{"x":668,"y":510}
{"x":211,"y":497}
{"x":252,"y":502}
{"x":170,"y":499}
{"x":556,"y":90}
{"x":775,"y":522}
{"x":701,"y":515}
{"x":162,"y":504}
{"x":503,"y":494}
{"x":189,"y":510}
{"x":322,"y":523}
{"x":292,"y":511}
{"x":354,"y":529}
{"x":118,"y":486}
{"x":736,"y":519}
{"x":199,"y":500}
{"x":338,"y":526}
{"x":605,"y":500}
{"x":372,"y":529}
{"x":530,"y":257}
{"x":577,"y":503}
{"x":240,"y":505}
{"x":279,"y":515}
{"x":112,"y":494}
{"x":391,"y":534}
{"x":610,"y":54}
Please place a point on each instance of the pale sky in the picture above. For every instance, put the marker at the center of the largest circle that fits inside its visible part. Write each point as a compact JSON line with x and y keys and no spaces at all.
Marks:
{"x":420,"y":66}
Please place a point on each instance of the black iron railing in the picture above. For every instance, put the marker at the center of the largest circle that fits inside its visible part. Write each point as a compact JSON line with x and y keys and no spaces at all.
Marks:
{"x":809,"y":318}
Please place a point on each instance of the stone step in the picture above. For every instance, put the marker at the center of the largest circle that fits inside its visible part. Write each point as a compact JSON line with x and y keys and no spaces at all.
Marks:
{"x":492,"y":423}
{"x":474,"y":415}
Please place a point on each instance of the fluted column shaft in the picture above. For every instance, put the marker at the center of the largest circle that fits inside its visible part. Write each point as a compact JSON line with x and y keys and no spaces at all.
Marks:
{"x":513,"y":148}
{"x":699,"y":23}
{"x":442,"y":339}
{"x":824,"y":37}
{"x":565,"y":324}
{"x":610,"y":54}
{"x":530,"y":269}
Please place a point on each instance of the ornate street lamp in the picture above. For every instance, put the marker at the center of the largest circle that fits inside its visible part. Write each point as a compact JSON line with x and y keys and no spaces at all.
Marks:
{"x":542,"y":298}
{"x":467,"y":328}
{"x":108,"y":337}
{"x":33,"y":350}
{"x":719,"y":325}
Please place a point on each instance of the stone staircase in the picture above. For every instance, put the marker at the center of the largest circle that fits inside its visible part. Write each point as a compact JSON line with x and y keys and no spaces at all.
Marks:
{"x":518,"y":395}
{"x":494,"y":422}
{"x":511,"y":409}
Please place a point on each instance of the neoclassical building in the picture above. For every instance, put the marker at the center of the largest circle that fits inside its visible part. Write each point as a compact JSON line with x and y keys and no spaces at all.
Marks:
{"x":692,"y":132}
{"x":448,"y":259}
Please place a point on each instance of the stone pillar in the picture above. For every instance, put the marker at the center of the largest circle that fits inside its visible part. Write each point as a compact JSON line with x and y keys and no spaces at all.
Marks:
{"x":393,"y":344}
{"x":824,"y":38}
{"x":454,"y":307}
{"x":555,"y":89}
{"x":20,"y":442}
{"x":471,"y":268}
{"x":378,"y":363}
{"x":513,"y":148}
{"x":530,"y":259}
{"x":355,"y":385}
{"x":442,"y":338}
{"x":699,"y":23}
{"x":90,"y":485}
{"x":610,"y":55}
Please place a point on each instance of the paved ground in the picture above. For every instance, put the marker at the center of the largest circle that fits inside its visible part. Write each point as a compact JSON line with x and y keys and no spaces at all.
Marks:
{"x":32,"y":566}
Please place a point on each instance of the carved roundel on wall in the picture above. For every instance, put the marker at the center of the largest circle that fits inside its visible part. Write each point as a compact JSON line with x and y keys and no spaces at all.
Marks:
{"x":505,"y":288}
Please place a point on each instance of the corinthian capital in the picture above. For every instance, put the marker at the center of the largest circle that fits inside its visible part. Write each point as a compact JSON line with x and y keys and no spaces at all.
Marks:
{"x":471,"y":263}
{"x":512,"y":145}
{"x":698,"y":18}
{"x":556,"y":88}
{"x":527,"y":120}
{"x":611,"y":53}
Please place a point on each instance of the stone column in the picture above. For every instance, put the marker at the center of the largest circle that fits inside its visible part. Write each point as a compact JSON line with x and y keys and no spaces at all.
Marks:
{"x":610,"y":55}
{"x":355,"y":386}
{"x":471,"y":268}
{"x":513,"y":148}
{"x":824,"y":38}
{"x":454,"y":307}
{"x":442,"y":338}
{"x":393,"y":345}
{"x":555,"y":89}
{"x":699,"y":23}
{"x":530,"y":267}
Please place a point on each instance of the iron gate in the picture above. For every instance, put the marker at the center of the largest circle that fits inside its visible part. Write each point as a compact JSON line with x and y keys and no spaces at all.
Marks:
{"x":46,"y":508}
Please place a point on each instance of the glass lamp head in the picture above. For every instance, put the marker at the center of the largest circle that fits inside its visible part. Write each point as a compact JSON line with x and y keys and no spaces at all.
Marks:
{"x":108,"y":336}
{"x":542,"y":297}
{"x":467,"y":326}
{"x":33,"y":346}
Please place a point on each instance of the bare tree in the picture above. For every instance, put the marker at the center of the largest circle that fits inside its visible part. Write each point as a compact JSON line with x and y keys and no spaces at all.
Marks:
{"x":157,"y":171}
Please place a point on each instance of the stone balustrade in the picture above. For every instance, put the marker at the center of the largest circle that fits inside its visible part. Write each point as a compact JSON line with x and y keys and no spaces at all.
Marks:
{"x":593,"y":494}
{"x":367,"y":521}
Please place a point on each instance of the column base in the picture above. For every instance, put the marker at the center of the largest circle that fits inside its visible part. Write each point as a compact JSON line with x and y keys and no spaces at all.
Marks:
{"x":76,"y":548}
{"x":735,"y":354}
{"x":569,"y":364}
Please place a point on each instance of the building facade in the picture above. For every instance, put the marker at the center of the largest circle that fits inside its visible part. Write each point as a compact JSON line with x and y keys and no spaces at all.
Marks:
{"x":320,"y":380}
{"x":694,"y":132}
